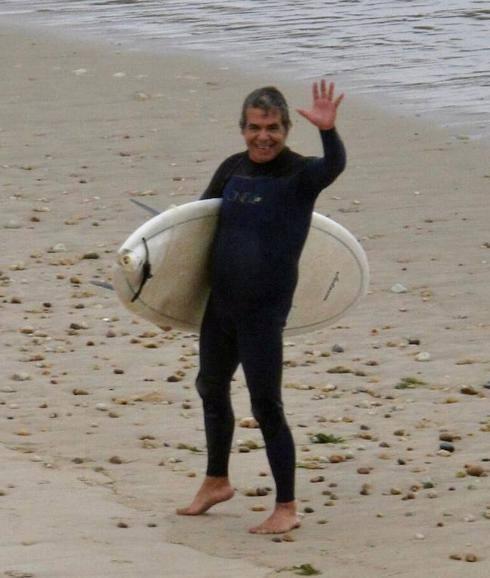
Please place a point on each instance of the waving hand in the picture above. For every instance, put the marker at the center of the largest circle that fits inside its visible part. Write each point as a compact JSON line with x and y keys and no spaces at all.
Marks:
{"x":323,"y":111}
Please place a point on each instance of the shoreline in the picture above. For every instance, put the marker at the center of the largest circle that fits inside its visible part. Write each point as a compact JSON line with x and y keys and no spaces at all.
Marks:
{"x":384,"y":103}
{"x":88,"y":410}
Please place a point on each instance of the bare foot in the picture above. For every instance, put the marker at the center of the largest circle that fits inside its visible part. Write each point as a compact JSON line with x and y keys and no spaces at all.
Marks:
{"x":212,"y":492}
{"x":283,"y":519}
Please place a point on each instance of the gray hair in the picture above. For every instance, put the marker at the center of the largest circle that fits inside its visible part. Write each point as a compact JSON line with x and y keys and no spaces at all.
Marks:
{"x":267,"y":98}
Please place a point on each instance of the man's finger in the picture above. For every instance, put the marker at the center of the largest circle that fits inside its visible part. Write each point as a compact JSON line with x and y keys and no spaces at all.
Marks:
{"x":302,"y":112}
{"x":338,"y":100}
{"x":316,"y":92}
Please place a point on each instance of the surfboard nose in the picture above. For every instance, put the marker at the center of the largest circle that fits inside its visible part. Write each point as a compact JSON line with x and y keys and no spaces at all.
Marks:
{"x":129,"y":261}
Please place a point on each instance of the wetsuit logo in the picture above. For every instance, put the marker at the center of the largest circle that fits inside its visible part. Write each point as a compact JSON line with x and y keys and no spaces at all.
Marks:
{"x":244,"y":197}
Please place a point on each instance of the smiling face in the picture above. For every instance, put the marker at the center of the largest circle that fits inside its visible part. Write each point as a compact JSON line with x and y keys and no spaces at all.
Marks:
{"x":264,"y":134}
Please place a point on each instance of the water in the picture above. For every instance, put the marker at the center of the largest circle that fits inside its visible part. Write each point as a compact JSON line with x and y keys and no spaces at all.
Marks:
{"x":428,"y":57}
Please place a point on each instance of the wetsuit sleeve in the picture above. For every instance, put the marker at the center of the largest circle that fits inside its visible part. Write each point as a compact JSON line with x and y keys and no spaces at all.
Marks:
{"x":321,"y":172}
{"x":215,"y":188}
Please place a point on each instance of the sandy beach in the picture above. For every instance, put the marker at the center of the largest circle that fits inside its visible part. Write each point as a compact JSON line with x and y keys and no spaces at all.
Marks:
{"x":102,"y":436}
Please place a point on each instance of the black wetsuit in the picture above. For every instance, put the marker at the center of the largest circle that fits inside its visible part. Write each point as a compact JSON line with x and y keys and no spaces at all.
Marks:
{"x":263,"y":224}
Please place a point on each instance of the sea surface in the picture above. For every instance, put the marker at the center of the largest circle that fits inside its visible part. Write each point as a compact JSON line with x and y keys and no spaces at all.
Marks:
{"x":430,"y":58}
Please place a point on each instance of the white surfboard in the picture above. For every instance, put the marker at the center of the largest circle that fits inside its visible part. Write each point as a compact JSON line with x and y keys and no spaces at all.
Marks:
{"x":174,"y":248}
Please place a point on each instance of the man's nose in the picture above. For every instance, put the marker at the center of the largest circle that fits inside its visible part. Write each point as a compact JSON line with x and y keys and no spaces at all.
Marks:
{"x":263,"y":134}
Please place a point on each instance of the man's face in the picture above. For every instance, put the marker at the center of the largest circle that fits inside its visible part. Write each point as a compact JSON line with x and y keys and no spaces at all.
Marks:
{"x":264,"y":134}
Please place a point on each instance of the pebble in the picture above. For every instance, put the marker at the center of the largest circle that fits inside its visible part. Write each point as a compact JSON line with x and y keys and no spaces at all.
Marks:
{"x":249,"y":422}
{"x":317,"y":479}
{"x":399,"y":288}
{"x":91,"y":255}
{"x":366,"y":490}
{"x":447,"y":437}
{"x":254,"y":492}
{"x":12,"y":225}
{"x":58,"y":248}
{"x":19,"y":266}
{"x":249,"y":444}
{"x":474,"y":470}
{"x":423,"y":356}
{"x":447,"y":447}
{"x":20,"y":376}
{"x":468,"y":390}
{"x":409,"y":496}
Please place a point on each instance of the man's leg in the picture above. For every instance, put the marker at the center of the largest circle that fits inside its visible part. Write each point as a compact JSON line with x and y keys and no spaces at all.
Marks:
{"x":260,"y":346}
{"x":218,"y":362}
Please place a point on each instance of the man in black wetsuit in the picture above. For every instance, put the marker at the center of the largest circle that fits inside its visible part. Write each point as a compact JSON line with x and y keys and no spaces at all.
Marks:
{"x":268,"y":195}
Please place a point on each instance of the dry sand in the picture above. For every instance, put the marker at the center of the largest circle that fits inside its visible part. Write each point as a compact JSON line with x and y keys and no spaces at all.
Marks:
{"x":99,"y":446}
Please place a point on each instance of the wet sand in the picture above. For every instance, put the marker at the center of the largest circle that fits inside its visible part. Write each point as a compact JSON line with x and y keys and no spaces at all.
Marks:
{"x":101,"y":435}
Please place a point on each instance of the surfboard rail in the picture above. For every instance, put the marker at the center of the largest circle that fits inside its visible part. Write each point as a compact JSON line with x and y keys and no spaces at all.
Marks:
{"x":176,"y":244}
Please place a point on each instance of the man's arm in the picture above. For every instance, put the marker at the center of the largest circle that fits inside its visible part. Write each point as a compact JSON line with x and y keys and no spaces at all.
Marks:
{"x":323,"y":114}
{"x":215,"y":188}
{"x":324,"y":171}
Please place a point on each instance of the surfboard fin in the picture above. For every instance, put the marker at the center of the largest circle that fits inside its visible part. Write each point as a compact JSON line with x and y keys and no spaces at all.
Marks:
{"x":103,"y":284}
{"x":145,"y":207}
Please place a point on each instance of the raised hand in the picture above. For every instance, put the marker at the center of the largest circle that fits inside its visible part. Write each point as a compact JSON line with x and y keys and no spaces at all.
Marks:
{"x":324,"y":108}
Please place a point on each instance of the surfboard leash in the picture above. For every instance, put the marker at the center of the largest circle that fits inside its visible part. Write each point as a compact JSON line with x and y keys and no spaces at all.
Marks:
{"x":147,"y":274}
